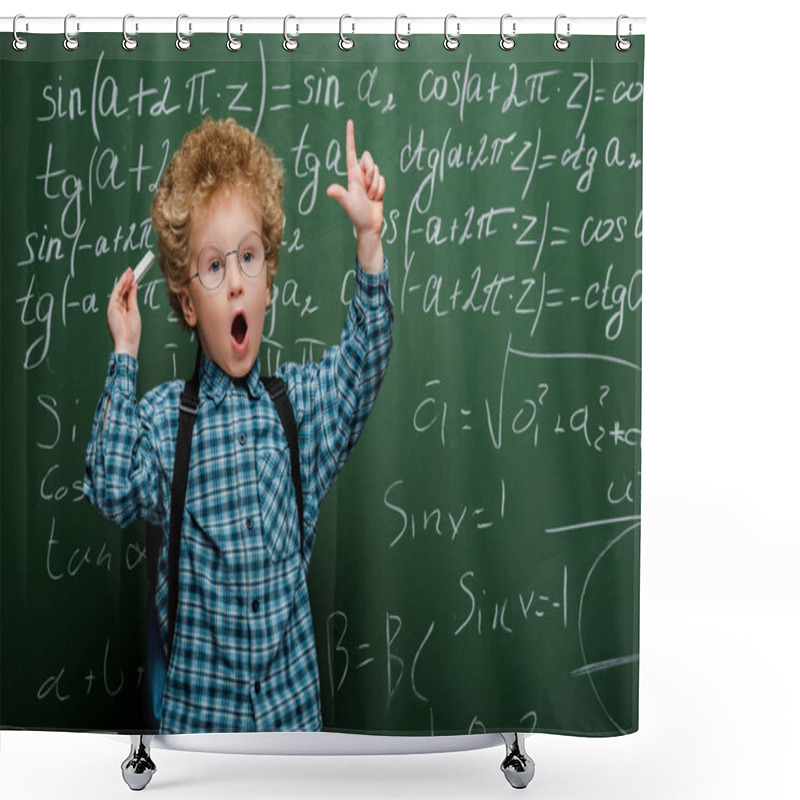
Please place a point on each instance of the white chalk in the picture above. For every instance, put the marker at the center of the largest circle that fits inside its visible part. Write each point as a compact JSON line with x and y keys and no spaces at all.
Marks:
{"x":143,"y":266}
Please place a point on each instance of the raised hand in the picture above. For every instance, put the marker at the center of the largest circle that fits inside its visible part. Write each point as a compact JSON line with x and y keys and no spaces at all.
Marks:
{"x":363,"y":202}
{"x":124,"y":320}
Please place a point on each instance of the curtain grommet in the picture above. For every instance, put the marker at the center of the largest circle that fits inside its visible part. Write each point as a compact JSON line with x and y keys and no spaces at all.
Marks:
{"x":19,"y":42}
{"x":345,"y":43}
{"x":233,"y":44}
{"x":623,"y":44}
{"x":128,"y":42}
{"x":290,"y":44}
{"x":70,"y":42}
{"x":401,"y":42}
{"x":451,"y":42}
{"x":181,"y":42}
{"x":560,"y":43}
{"x":507,"y":42}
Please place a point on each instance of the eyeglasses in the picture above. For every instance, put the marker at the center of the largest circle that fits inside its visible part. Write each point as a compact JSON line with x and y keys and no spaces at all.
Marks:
{"x":251,"y":256}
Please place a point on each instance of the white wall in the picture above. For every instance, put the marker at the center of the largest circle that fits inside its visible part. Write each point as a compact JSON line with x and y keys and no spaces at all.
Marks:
{"x":720,"y":614}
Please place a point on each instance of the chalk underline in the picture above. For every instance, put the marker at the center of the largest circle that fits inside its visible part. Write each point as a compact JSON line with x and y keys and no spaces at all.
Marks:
{"x":593,"y":524}
{"x":599,"y":666}
{"x":585,"y":356}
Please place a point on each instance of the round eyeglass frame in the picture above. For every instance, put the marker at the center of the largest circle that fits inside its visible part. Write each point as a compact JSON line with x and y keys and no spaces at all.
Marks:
{"x":225,"y":255}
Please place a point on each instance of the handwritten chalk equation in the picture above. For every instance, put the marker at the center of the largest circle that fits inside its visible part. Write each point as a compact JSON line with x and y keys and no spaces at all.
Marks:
{"x":489,"y":293}
{"x":68,"y":561}
{"x":346,"y":656}
{"x":110,"y":680}
{"x":439,"y":522}
{"x":524,"y":230}
{"x":209,"y":91}
{"x":515,"y":88}
{"x":437,"y":416}
{"x":113,"y":96}
{"x":442,"y":160}
{"x":490,"y":611}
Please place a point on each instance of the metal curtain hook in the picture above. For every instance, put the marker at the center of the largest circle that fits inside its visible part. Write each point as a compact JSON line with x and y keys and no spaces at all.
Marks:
{"x":506,"y":42}
{"x":128,"y":42}
{"x":289,"y":43}
{"x":19,"y":43}
{"x":70,"y":43}
{"x":234,"y":44}
{"x":400,"y":42}
{"x":623,"y":44}
{"x":561,"y":43}
{"x":451,"y":42}
{"x":182,"y":43}
{"x":344,"y":42}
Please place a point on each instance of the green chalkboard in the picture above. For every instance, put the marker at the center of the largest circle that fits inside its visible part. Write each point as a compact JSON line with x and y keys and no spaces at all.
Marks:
{"x":477,"y":563}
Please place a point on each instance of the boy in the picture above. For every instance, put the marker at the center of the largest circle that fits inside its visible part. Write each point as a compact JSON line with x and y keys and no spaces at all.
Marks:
{"x":243,"y":655}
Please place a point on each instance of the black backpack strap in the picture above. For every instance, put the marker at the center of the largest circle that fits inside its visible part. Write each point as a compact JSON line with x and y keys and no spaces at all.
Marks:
{"x":189,"y":403}
{"x":152,"y":551}
{"x":276,"y":389}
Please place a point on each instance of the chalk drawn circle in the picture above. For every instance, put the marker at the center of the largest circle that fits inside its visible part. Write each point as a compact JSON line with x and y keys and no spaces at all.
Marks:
{"x":607,"y":671}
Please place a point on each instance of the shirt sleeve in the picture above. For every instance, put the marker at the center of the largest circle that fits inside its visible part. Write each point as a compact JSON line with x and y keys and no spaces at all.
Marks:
{"x":122,"y":478}
{"x":337,"y":394}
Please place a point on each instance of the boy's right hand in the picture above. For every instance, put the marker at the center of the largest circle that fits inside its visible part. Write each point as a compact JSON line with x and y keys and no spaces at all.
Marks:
{"x":124,"y":320}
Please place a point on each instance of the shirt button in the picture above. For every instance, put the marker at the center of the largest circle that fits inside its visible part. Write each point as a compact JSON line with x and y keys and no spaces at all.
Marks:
{"x":242,"y":438}
{"x":257,"y":687}
{"x":249,"y":524}
{"x":255,"y":606}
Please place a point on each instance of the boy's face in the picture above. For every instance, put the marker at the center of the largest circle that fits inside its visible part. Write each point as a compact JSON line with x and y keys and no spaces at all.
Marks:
{"x":229,"y":319}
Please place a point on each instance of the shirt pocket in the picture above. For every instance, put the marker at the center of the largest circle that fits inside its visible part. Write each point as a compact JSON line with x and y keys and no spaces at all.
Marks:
{"x":217,"y":555}
{"x":277,"y":504}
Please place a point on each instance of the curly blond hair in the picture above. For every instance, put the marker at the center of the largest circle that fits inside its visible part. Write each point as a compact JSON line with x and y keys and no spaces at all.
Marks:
{"x":218,"y":155}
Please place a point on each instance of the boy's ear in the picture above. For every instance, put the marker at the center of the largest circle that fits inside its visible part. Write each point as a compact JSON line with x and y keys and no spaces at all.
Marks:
{"x":187,"y":306}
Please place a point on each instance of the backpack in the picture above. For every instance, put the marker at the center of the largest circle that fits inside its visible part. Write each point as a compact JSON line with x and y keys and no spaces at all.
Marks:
{"x":158,"y":651}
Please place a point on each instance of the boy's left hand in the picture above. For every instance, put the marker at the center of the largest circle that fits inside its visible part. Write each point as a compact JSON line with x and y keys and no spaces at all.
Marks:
{"x":363,"y":202}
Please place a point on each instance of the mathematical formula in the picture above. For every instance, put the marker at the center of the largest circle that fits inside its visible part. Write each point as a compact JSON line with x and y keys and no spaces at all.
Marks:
{"x":503,"y":226}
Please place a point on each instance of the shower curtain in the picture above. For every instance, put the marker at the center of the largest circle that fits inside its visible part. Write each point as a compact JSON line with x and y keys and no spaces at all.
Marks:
{"x":476,"y":566}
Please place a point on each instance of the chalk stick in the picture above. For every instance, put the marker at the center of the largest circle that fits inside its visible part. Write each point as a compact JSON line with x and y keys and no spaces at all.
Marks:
{"x":143,"y":266}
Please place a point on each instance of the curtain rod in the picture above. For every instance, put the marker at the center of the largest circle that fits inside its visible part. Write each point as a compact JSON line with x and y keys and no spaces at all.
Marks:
{"x":298,"y":25}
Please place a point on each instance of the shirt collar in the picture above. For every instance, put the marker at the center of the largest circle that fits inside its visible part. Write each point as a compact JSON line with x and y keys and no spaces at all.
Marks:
{"x":215,"y":382}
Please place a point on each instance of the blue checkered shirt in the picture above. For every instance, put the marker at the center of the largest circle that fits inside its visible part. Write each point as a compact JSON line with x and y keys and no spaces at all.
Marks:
{"x":243,"y":656}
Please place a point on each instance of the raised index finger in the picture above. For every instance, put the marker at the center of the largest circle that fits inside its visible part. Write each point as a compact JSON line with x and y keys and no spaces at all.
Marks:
{"x":352,"y":159}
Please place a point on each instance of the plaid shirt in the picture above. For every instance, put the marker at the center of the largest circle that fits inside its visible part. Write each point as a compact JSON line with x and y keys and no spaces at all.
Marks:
{"x":243,"y":656}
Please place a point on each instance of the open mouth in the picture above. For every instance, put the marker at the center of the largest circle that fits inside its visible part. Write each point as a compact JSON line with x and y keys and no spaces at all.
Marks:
{"x":239,"y":328}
